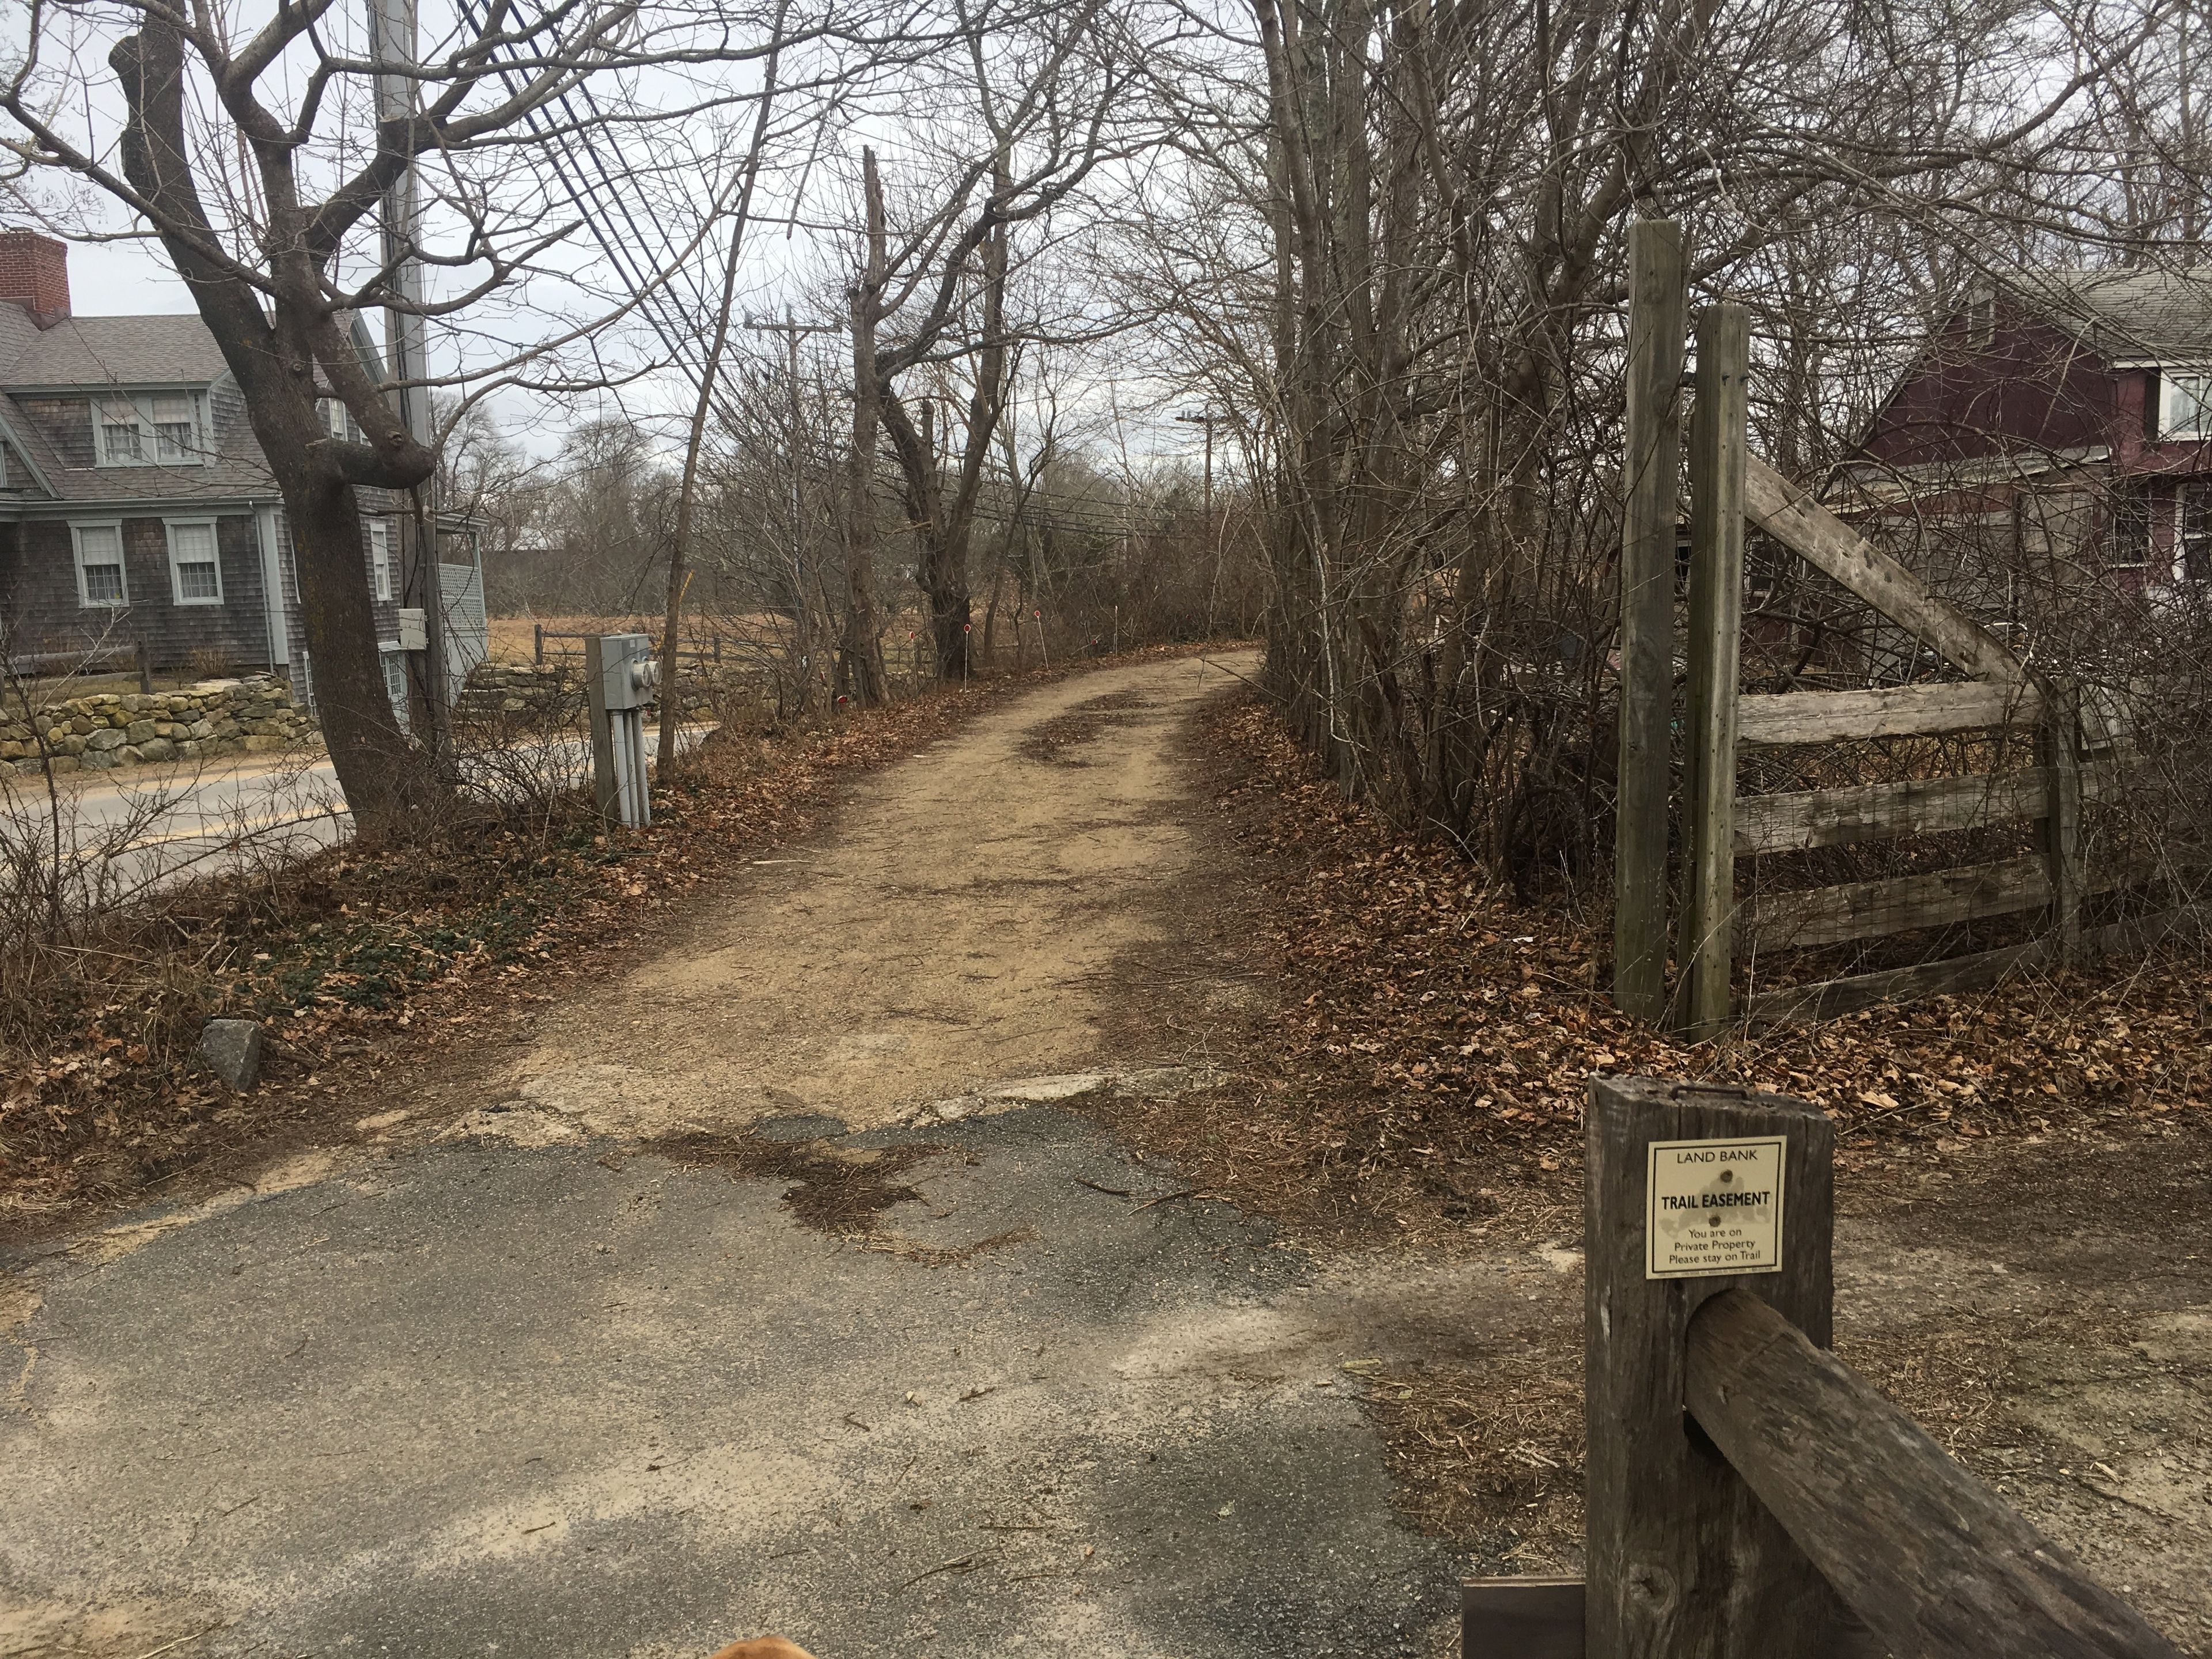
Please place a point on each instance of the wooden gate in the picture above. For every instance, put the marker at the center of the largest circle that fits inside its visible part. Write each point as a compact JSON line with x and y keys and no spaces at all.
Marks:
{"x":1729,"y":491}
{"x":1749,"y":1496}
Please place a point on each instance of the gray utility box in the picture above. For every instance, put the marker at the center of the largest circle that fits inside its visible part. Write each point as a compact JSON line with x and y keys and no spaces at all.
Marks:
{"x":629,"y":674}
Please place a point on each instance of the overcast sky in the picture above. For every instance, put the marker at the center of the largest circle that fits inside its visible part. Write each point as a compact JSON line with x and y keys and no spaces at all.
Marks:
{"x":122,"y":279}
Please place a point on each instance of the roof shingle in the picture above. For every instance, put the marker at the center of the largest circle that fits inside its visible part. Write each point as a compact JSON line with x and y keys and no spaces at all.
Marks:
{"x":163,"y":351}
{"x":2162,"y":317}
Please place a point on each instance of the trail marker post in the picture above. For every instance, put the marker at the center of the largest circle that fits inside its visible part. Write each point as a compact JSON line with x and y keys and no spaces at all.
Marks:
{"x":1706,"y":947}
{"x":1650,"y":503}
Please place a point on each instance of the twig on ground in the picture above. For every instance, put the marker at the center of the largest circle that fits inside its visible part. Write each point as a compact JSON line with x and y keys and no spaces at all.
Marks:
{"x":167,"y":1647}
{"x":965,"y":1564}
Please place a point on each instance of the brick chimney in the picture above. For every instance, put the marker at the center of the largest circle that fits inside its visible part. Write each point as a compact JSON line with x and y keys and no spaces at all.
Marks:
{"x":34,"y":275}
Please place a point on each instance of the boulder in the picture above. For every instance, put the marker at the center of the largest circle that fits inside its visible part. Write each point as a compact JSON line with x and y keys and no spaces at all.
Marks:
{"x":139,"y":731}
{"x":105,"y":738}
{"x":200,"y":728}
{"x":98,"y":759}
{"x":129,"y":754}
{"x":156,"y":748}
{"x":231,"y":1048}
{"x":258,"y":744}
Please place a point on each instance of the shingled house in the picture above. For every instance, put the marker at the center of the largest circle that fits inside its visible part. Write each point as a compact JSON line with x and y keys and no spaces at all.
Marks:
{"x":136,"y":512}
{"x":2059,"y":420}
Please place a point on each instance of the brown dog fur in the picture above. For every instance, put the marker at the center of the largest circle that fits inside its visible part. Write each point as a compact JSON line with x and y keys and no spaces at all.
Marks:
{"x":764,"y":1647}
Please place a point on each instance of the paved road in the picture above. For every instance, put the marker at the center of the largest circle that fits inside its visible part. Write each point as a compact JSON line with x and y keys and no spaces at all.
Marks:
{"x":148,"y":827}
{"x":558,"y":1401}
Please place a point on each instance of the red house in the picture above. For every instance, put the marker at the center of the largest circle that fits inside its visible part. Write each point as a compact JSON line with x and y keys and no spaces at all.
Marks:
{"x":2056,"y":430}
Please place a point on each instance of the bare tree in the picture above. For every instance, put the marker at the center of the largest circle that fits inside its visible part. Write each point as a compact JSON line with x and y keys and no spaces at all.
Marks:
{"x":252,"y":155}
{"x":1047,"y":95}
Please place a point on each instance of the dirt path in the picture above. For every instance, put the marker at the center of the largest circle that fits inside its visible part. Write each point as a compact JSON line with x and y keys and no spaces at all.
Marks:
{"x":765,"y":1287}
{"x":960,"y":929}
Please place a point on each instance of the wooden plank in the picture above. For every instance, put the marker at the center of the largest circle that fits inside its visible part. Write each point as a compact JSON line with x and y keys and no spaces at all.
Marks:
{"x":1681,"y":1559}
{"x":2139,"y":933}
{"x":1716,"y":460}
{"x":1794,"y":821}
{"x":1801,"y":524}
{"x":1521,"y":1619}
{"x":1647,"y":617}
{"x":2058,"y":739}
{"x":1954,"y":976}
{"x":1937,"y":1564}
{"x":1828,"y":999}
{"x":1887,"y":712}
{"x":1876,"y":812}
{"x":1896,"y":904}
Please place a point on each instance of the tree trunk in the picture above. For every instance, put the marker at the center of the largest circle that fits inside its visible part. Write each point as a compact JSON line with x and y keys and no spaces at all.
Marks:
{"x":385,"y":777}
{"x":860,"y":651}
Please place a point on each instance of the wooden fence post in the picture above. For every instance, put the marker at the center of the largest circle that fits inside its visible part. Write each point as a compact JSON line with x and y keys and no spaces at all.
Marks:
{"x":538,"y":643}
{"x":1706,"y":948}
{"x":2059,"y":740}
{"x":1648,"y":507}
{"x":1682,"y":1560}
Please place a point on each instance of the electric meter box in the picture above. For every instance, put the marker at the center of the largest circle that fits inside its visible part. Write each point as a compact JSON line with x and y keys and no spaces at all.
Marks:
{"x":628,"y":672}
{"x":414,"y":630}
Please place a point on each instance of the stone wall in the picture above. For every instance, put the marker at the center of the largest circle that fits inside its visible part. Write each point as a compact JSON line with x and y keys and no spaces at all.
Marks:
{"x":214,"y":717}
{"x":506,"y":692}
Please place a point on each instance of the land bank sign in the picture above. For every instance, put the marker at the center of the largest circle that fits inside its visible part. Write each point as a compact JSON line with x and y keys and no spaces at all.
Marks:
{"x":1716,"y":1208}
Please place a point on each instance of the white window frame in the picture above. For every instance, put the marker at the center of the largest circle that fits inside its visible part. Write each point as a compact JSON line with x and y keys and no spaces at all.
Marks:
{"x":85,"y":601}
{"x":102,"y":408}
{"x":2135,"y":506}
{"x":1982,"y":318}
{"x":140,"y":406}
{"x":336,"y":420}
{"x":170,"y":528}
{"x":2192,"y":532}
{"x":381,"y":586}
{"x":189,"y":452}
{"x":2185,"y":415}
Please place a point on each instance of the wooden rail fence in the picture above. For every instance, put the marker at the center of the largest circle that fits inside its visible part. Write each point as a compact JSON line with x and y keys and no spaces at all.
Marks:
{"x":710,"y":651}
{"x":1730,"y":490}
{"x":1749,"y":1496}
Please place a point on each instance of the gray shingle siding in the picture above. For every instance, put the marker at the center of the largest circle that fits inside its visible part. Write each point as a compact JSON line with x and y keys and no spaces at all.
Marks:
{"x":66,"y":425}
{"x":39,"y":589}
{"x":49,"y":381}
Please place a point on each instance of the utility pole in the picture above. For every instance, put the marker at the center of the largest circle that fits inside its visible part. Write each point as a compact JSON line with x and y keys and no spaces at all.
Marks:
{"x":793,"y":332}
{"x":392,"y":41}
{"x":1209,"y":419}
